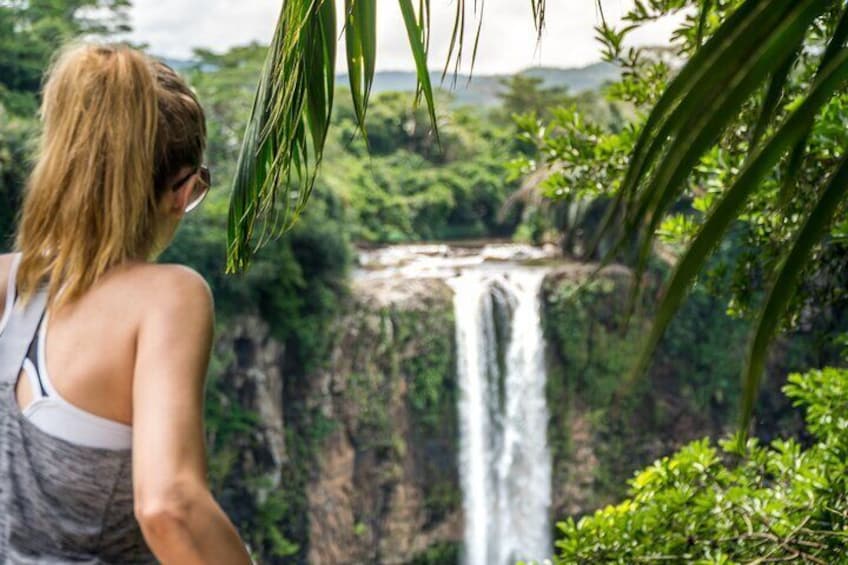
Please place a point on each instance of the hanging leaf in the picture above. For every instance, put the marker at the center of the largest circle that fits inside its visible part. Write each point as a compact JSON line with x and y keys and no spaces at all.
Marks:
{"x":786,"y":282}
{"x":361,"y":42}
{"x":761,"y":163}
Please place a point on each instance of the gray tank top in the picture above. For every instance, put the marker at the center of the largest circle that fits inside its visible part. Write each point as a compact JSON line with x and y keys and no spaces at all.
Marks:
{"x":59,"y":502}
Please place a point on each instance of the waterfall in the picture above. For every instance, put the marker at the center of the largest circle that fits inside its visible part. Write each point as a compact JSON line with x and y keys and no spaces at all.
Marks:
{"x":505,"y":464}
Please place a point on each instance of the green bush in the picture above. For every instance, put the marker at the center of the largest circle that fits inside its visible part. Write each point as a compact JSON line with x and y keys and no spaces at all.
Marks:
{"x":707,"y":504}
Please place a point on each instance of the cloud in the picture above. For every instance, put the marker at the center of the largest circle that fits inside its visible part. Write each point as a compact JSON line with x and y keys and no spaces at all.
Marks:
{"x":507,"y":42}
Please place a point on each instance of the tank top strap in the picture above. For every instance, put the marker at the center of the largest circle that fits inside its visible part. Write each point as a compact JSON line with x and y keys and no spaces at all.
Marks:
{"x":18,"y":335}
{"x":10,"y":290}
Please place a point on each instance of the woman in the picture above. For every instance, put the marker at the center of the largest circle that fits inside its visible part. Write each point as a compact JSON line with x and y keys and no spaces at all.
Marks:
{"x":103,"y":353}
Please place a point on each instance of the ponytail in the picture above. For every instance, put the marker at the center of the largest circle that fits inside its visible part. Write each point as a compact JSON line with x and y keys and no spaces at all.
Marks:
{"x":90,"y":203}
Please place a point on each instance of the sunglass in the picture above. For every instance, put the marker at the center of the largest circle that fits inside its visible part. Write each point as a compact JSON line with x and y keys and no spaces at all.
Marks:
{"x":201,"y":188}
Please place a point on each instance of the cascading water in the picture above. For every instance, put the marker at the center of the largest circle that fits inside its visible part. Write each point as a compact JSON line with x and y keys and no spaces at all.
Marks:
{"x":505,"y":462}
{"x":505,"y":465}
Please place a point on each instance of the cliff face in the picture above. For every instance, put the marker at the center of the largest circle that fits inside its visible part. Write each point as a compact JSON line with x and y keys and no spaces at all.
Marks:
{"x":603,"y":426}
{"x":244,"y":421}
{"x":356,"y":462}
{"x":386,"y":487}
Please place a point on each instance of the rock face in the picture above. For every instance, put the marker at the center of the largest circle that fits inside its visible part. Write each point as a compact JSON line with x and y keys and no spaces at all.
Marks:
{"x":603,"y":425}
{"x":386,"y":488}
{"x":356,"y":462}
{"x":245,"y":418}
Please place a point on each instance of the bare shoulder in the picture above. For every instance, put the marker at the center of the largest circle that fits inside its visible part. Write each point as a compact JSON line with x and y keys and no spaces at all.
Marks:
{"x":181,"y":280}
{"x":167,"y":289}
{"x":5,"y":267}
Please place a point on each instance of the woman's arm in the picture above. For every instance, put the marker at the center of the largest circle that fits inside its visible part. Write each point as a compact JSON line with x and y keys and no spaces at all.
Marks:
{"x":179,"y":518}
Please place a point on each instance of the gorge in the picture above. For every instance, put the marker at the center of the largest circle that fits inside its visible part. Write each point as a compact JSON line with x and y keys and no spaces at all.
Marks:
{"x":431,"y":433}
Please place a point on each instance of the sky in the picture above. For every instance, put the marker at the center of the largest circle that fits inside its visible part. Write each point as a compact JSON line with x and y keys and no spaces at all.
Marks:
{"x":507,"y":43}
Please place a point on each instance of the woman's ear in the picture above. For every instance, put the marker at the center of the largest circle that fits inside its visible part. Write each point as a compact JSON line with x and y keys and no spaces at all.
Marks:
{"x":169,"y":203}
{"x":182,"y":195}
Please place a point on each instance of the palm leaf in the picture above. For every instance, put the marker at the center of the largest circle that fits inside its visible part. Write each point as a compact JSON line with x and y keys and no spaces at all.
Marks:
{"x":785,"y":283}
{"x":696,"y":129}
{"x":703,"y":70}
{"x":700,"y":130}
{"x":698,"y":120}
{"x":538,"y":7}
{"x":774,"y":94}
{"x":284,"y":139}
{"x":416,"y":31}
{"x":702,"y":21}
{"x":796,"y":159}
{"x":762,"y":162}
{"x":361,"y":43}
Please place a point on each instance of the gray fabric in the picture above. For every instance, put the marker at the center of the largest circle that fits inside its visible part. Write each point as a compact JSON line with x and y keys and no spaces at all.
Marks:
{"x":59,"y":502}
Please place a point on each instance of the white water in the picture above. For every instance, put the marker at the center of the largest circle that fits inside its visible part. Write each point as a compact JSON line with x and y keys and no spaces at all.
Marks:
{"x":504,"y":460}
{"x":505,"y":465}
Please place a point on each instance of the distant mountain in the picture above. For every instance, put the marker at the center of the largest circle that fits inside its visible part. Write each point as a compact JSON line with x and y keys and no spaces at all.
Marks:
{"x":483,"y":89}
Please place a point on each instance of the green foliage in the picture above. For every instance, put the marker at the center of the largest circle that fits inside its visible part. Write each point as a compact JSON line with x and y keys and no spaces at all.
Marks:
{"x":524,"y":94}
{"x":405,"y":187}
{"x":690,"y":389}
{"x":438,"y":554}
{"x":31,"y":31}
{"x":16,"y":135}
{"x":225,"y":421}
{"x":722,"y":504}
{"x":431,"y":392}
{"x":273,"y":510}
{"x":584,"y":322}
{"x":284,"y":140}
{"x":735,"y":152}
{"x":290,"y":118}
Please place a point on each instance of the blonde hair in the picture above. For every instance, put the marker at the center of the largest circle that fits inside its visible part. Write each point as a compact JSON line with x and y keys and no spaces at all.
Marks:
{"x":117,"y":125}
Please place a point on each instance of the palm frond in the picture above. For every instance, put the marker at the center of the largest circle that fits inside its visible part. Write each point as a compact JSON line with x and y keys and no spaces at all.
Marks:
{"x":774,"y":95}
{"x":786,"y":282}
{"x":361,"y":43}
{"x":701,"y":127}
{"x":284,"y":140}
{"x":538,"y":7}
{"x":727,"y":209}
{"x":716,"y":92}
{"x":793,"y":167}
{"x":702,"y":20}
{"x":276,"y":167}
{"x":416,"y":30}
{"x":716,"y":56}
{"x":699,"y":104}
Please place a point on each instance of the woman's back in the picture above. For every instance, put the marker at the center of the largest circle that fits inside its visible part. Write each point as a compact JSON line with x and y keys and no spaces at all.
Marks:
{"x":62,"y":501}
{"x":90,"y":346}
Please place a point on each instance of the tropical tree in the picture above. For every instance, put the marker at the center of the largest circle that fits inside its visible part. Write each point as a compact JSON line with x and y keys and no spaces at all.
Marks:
{"x":746,"y":52}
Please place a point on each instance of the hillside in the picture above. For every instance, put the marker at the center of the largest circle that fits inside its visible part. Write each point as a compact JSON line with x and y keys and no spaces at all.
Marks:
{"x":483,"y":89}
